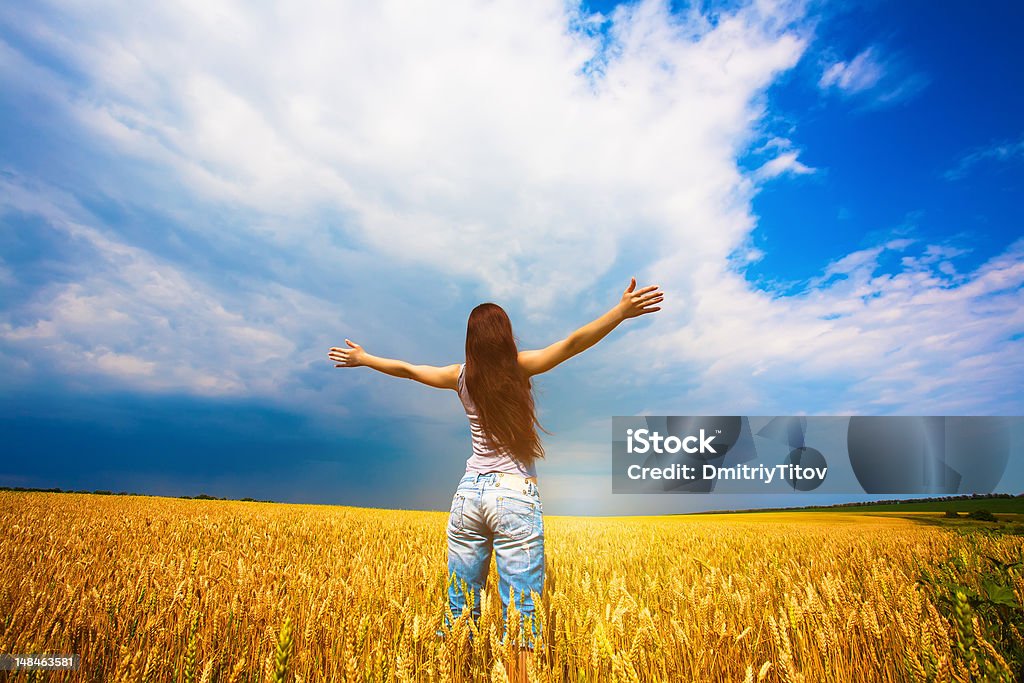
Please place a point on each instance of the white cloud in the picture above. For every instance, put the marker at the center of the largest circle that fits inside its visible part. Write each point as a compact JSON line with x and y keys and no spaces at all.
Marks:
{"x":133,"y":318}
{"x":861,"y":73}
{"x":463,"y":139}
{"x":923,"y":339}
{"x":884,"y":80}
{"x":1003,"y":151}
{"x":786,"y":162}
{"x":442,"y":131}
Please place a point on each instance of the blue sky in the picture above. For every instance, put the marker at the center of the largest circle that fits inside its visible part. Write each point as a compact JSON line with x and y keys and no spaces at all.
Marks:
{"x":198,"y":199}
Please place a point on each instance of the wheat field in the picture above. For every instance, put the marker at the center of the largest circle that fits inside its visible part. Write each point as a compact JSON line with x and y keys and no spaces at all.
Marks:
{"x":163,"y":589}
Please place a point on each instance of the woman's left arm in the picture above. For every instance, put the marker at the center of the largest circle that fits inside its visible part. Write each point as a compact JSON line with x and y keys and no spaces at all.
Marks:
{"x":446,"y":377}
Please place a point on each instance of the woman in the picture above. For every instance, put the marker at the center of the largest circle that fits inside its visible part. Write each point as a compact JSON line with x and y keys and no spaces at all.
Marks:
{"x":497,"y":503}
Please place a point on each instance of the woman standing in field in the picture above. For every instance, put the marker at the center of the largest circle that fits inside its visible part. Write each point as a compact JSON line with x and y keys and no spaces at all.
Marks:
{"x":497,"y":503}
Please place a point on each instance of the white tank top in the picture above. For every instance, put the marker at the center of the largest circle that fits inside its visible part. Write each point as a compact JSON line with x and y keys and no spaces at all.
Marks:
{"x":485,"y":457}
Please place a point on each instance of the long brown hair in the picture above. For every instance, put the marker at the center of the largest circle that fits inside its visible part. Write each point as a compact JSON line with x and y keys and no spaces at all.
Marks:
{"x":500,"y":390}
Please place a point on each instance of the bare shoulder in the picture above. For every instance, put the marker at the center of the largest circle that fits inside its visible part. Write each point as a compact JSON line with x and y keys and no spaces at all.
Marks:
{"x":531,"y":361}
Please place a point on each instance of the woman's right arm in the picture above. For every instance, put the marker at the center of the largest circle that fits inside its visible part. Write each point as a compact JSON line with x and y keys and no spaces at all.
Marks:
{"x":633,"y":303}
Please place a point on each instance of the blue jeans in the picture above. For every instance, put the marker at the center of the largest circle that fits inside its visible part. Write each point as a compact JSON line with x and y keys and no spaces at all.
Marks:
{"x":483,"y":516}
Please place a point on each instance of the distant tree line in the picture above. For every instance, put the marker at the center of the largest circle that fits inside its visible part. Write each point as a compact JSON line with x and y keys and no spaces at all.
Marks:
{"x":932,"y":499}
{"x":888,"y":501}
{"x":104,"y":492}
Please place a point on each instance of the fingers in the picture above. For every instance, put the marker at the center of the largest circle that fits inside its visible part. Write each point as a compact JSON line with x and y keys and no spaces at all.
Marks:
{"x":648,"y":301}
{"x":648,"y":296}
{"x":639,"y":294}
{"x":645,"y":300}
{"x":341,"y":357}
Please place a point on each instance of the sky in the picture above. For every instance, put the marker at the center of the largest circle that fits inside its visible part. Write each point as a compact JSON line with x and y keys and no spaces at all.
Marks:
{"x":198,"y":199}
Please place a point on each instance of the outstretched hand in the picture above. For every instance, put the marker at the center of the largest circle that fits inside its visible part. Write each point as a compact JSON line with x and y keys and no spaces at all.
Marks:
{"x":347,"y":358}
{"x":636,"y":302}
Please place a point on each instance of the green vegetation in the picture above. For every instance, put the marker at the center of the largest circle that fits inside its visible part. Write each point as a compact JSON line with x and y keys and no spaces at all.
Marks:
{"x":977,"y":596}
{"x":965,"y":504}
{"x":993,"y":502}
{"x":105,"y":492}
